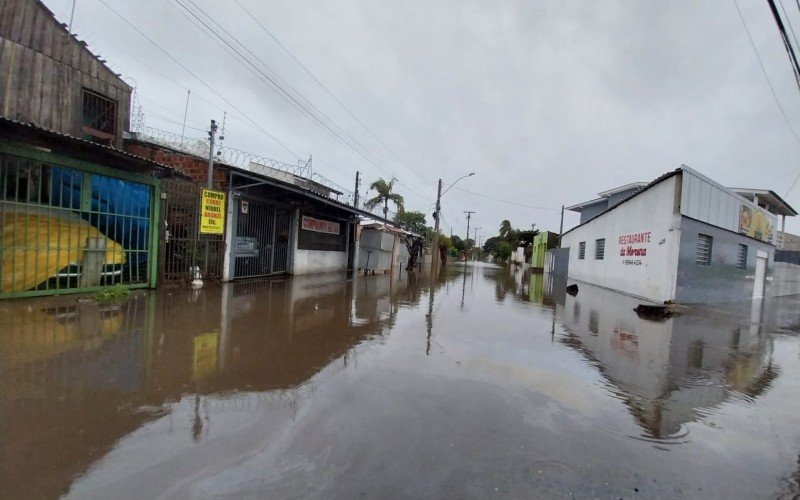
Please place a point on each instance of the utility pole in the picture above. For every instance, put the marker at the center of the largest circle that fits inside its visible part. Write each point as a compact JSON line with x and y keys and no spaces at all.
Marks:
{"x":211,"y":133}
{"x":435,"y":243}
{"x":561,"y":226}
{"x":358,"y":185}
{"x":475,"y":240}
{"x":469,"y":214}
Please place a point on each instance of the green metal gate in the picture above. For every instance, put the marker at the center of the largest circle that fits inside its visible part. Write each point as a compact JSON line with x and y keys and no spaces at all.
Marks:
{"x":72,"y":226}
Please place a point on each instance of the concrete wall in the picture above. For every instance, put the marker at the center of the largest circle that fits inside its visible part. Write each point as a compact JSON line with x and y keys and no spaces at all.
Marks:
{"x":651,"y":273}
{"x":721,"y":281}
{"x":790,"y":241}
{"x":618,"y":197}
{"x":785,"y":280}
{"x":318,"y":261}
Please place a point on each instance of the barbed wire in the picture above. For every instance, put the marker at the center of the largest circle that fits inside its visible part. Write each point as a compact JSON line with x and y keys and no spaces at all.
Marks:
{"x":301,"y":173}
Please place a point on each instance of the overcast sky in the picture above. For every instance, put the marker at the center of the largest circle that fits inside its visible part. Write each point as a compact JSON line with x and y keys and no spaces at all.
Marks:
{"x":548,"y":102}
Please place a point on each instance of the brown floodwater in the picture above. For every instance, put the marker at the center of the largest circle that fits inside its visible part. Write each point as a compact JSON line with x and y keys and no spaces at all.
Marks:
{"x":499,"y":384}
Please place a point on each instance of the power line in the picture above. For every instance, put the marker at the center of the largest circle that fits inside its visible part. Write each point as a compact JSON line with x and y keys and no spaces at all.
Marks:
{"x":326,"y":89}
{"x":274,"y":74}
{"x":272,"y":84}
{"x":506,"y":201}
{"x":766,"y":75}
{"x":789,"y":22}
{"x":183,"y":66}
{"x":769,"y":84}
{"x":786,"y":43}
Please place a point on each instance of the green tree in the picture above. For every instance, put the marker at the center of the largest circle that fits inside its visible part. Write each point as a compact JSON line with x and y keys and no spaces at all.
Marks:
{"x":505,"y":229}
{"x":384,"y":196}
{"x":490,"y":244}
{"x":502,"y":251}
{"x":412,"y":221}
{"x":458,"y":243}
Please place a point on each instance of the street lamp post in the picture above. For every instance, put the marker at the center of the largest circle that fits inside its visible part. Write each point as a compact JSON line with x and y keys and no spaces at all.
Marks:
{"x":436,"y":215}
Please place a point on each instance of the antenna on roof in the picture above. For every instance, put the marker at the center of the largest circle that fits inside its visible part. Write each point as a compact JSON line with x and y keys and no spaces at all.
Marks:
{"x":71,"y":16}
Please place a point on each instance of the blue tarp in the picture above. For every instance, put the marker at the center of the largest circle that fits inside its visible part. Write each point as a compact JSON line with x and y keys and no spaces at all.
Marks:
{"x":120,"y":209}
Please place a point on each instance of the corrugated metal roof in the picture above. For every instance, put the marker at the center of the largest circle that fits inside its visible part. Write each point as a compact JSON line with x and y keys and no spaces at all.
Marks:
{"x":659,"y":180}
{"x":24,"y":130}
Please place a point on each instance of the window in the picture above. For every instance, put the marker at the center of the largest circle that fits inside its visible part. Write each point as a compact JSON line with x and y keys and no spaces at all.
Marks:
{"x":581,"y":250}
{"x":99,"y":117}
{"x":741,"y":258}
{"x":599,"y":249}
{"x":704,"y":243}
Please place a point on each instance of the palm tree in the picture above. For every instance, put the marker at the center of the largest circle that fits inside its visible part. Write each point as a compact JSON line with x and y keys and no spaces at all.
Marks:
{"x":505,"y":229}
{"x":385,"y":195}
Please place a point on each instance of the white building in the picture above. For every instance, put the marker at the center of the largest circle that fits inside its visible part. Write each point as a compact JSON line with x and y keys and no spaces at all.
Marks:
{"x":682,"y":237}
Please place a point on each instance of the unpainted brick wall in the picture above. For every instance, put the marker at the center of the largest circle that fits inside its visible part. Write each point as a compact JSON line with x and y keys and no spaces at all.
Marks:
{"x":192,"y":166}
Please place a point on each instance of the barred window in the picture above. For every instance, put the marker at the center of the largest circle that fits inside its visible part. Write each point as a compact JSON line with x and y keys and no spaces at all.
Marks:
{"x":99,"y":117}
{"x":741,"y":258}
{"x":704,"y":244}
{"x":600,"y":249}
{"x":581,"y":250}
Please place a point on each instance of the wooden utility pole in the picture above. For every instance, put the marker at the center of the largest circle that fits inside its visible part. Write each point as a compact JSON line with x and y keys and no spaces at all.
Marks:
{"x":469,"y":214}
{"x":358,"y":186}
{"x":435,"y":243}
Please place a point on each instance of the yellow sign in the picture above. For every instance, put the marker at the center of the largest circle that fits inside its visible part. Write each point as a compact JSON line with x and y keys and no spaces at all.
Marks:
{"x":212,"y":212}
{"x":755,"y":223}
{"x":204,"y":361}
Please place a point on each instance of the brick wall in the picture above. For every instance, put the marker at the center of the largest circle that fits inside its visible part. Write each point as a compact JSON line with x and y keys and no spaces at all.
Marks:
{"x":192,"y":166}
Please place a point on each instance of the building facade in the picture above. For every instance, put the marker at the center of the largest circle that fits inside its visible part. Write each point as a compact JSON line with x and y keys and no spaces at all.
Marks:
{"x":682,"y":237}
{"x":542,"y":242}
{"x":78,"y":213}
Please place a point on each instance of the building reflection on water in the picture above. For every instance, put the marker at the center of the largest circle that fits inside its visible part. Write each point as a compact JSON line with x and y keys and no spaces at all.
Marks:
{"x":668,"y":372}
{"x":78,"y":377}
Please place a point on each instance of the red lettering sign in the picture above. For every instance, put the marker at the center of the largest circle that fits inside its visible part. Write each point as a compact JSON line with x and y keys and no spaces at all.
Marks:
{"x":321,"y":226}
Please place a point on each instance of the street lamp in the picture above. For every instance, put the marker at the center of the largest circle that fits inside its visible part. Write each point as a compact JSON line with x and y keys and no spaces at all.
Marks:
{"x":439,"y":194}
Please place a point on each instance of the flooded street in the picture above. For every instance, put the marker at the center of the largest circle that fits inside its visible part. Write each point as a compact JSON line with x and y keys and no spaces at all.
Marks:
{"x":498,"y":385}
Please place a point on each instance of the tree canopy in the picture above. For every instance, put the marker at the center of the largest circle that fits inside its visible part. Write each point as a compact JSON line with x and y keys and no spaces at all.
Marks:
{"x":412,"y":221}
{"x":384,"y":196}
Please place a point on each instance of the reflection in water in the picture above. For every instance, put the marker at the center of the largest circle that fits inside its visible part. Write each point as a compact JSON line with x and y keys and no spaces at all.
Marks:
{"x":510,"y":280}
{"x":322,"y":387}
{"x":76,"y":378}
{"x":672,"y":372}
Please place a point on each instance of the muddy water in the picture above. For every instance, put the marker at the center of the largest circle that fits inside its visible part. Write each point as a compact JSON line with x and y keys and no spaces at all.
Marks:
{"x":499,"y":384}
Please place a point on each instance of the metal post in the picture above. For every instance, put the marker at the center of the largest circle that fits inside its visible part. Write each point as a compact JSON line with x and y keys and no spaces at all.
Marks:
{"x":211,"y":133}
{"x":185,"y":112}
{"x":435,"y":243}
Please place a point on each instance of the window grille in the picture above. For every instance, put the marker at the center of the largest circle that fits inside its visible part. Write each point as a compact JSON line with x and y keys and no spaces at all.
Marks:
{"x":704,"y":243}
{"x":99,"y":117}
{"x":741,"y":258}
{"x":581,"y":250}
{"x":600,"y":249}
